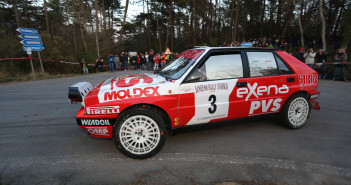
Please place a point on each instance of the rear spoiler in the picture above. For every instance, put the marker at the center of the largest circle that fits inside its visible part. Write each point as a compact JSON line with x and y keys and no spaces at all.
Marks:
{"x":78,"y":91}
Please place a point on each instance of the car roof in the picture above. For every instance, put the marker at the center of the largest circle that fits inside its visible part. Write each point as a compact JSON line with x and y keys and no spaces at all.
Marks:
{"x":228,"y":48}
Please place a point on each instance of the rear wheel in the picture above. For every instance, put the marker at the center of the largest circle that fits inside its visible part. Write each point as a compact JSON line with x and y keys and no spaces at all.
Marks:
{"x":139,"y":133}
{"x":296,"y":111}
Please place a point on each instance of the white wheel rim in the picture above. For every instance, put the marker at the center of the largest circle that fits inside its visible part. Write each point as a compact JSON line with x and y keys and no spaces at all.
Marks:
{"x":298,"y":111}
{"x":139,"y":134}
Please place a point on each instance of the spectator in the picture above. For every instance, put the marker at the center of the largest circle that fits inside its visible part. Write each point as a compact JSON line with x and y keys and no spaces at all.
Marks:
{"x":142,"y":61}
{"x":111,"y":62}
{"x":309,"y":57}
{"x":117,"y":61}
{"x":99,"y":65}
{"x":151,"y":60}
{"x":320,"y":59}
{"x":300,"y":55}
{"x":84,"y":66}
{"x":163,"y":59}
{"x":339,"y":57}
{"x":147,"y":61}
{"x":157,"y":61}
{"x":126,"y":61}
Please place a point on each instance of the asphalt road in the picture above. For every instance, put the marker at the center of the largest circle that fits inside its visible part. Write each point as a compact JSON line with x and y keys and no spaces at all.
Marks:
{"x":40,"y":143}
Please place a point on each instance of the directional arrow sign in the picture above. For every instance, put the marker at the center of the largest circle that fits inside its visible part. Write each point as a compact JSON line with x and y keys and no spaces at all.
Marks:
{"x":33,"y":48}
{"x":32,"y":42}
{"x":27,"y":30}
{"x":30,"y":36}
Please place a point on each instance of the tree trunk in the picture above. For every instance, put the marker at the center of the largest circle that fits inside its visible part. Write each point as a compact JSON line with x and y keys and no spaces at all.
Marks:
{"x":46,"y":17}
{"x":97,"y":28}
{"x":119,"y":42}
{"x":158,"y":29}
{"x":103,"y":15}
{"x":300,"y":25}
{"x":81,"y":24}
{"x":347,"y":35}
{"x":210,"y":24}
{"x":236,"y":19}
{"x":194,"y":17}
{"x":168,"y":24}
{"x":172,"y":25}
{"x":232,"y":21}
{"x":323,"y":24}
{"x":148,"y":24}
{"x":288,"y":18}
{"x":16,"y":13}
{"x":262,"y":17}
{"x":74,"y":38}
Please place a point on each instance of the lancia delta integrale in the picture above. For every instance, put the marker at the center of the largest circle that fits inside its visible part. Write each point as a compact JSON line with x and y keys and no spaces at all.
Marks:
{"x":202,"y":86}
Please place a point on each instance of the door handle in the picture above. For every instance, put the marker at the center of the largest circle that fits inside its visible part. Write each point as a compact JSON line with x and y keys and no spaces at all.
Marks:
{"x":290,"y":79}
{"x":241,"y":84}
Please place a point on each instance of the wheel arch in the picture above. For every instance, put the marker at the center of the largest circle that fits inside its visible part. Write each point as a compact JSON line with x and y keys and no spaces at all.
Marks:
{"x":297,"y":92}
{"x":164,"y":115}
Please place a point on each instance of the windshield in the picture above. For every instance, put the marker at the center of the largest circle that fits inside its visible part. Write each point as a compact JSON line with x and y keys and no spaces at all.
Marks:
{"x":179,"y":66}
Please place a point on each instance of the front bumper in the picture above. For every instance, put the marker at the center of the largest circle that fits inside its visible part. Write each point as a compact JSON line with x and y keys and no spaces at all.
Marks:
{"x":96,"y":125}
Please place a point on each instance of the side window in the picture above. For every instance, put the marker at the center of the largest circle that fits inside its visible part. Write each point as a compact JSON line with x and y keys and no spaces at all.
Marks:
{"x":262,"y":64}
{"x":220,"y":66}
{"x":283,"y":69}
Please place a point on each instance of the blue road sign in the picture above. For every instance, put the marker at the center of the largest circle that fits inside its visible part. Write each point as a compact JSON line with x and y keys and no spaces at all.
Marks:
{"x":33,"y":48}
{"x":246,"y":44}
{"x":30,"y":36}
{"x":27,"y":30}
{"x":32,"y":42}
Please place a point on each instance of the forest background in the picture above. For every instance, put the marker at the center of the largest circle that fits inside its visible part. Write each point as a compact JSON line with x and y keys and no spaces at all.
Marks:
{"x":76,"y":29}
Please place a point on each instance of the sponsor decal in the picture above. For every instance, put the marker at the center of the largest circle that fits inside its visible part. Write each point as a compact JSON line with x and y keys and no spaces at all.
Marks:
{"x":131,"y":93}
{"x":211,"y":87}
{"x":103,"y":110}
{"x":102,"y":131}
{"x":128,"y":81}
{"x":308,"y":80}
{"x":95,"y":122}
{"x":186,"y":89}
{"x":265,"y":105}
{"x":255,"y":90}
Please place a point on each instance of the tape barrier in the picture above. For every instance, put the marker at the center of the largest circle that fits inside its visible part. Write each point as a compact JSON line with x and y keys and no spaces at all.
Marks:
{"x":337,"y":63}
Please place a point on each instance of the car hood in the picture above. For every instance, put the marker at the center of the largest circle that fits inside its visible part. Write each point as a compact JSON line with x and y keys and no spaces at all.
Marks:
{"x":128,"y":84}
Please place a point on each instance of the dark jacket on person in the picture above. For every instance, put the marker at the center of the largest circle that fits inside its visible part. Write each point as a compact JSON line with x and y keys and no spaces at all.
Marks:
{"x":99,"y":66}
{"x":320,"y":58}
{"x":300,"y":57}
{"x":151,"y":58}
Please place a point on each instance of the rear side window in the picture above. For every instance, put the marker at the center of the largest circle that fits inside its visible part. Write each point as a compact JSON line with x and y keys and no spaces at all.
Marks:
{"x":283,"y":68}
{"x":262,"y":64}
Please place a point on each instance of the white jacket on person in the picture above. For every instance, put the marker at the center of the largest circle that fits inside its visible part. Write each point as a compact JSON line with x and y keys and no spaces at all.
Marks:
{"x":309,"y":57}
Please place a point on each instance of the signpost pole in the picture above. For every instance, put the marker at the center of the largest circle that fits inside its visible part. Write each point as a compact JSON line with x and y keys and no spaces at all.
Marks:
{"x":31,"y":64}
{"x":41,"y":63}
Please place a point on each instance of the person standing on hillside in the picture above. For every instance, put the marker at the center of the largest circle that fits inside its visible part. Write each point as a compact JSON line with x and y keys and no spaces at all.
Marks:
{"x":99,"y":65}
{"x":309,"y":57}
{"x":111,"y":62}
{"x":117,"y":60}
{"x":84,"y":66}
{"x":151,"y":60}
{"x":163,"y":59}
{"x":339,"y":57}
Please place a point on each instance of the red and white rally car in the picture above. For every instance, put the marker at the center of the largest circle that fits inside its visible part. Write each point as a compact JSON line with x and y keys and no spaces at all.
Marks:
{"x":203,"y":85}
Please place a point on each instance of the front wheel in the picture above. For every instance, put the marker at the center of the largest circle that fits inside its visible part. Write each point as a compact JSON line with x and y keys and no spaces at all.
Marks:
{"x":296,"y":111}
{"x":139,"y":133}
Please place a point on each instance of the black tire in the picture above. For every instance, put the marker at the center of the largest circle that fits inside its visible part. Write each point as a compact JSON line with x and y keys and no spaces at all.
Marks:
{"x":139,"y":133}
{"x":296,"y":111}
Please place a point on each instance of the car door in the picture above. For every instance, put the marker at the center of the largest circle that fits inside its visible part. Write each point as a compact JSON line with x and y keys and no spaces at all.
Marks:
{"x":204,"y":94}
{"x":269,"y":84}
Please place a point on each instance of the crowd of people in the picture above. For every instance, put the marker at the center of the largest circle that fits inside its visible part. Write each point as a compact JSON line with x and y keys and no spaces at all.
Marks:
{"x":317,"y":61}
{"x":132,"y":61}
{"x":274,"y":42}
